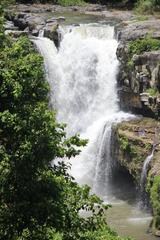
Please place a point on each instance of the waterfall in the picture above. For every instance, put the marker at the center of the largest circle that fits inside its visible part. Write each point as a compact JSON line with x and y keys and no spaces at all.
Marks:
{"x":143,"y":180}
{"x":82,"y":76}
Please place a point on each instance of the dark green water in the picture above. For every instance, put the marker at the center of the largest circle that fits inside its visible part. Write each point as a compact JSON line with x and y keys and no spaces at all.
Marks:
{"x":127,"y":220}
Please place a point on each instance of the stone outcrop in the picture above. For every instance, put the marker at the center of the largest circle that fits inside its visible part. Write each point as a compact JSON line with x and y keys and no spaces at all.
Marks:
{"x":50,"y":31}
{"x":32,"y":24}
{"x":34,"y":18}
{"x":51,"y":8}
{"x":139,"y":29}
{"x":134,"y":142}
{"x":139,"y":81}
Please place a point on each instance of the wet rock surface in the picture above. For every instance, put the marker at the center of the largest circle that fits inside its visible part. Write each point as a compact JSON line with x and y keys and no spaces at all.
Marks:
{"x":135,"y":140}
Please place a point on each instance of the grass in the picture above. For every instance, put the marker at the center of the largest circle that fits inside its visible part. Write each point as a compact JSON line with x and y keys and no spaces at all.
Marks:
{"x":71,"y":2}
{"x":141,"y":18}
{"x":147,"y":6}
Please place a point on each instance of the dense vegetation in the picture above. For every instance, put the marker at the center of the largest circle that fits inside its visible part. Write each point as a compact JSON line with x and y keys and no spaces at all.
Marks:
{"x":38,"y":201}
{"x":147,"y":6}
{"x":140,"y":46}
{"x":153,"y":188}
{"x":142,"y":6}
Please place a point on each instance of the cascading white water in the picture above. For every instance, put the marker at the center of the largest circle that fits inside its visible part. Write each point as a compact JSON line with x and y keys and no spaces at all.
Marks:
{"x":82,"y":76}
{"x":143,"y":180}
{"x":145,"y":169}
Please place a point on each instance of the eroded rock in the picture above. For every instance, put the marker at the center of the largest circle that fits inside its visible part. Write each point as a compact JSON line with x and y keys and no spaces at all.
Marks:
{"x":16,"y":34}
{"x":33,"y":25}
{"x":135,"y":140}
{"x":139,"y":77}
{"x":139,"y":30}
{"x":50,"y":31}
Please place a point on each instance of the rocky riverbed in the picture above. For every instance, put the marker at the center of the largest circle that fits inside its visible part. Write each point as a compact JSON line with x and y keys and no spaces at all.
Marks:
{"x":32,"y":19}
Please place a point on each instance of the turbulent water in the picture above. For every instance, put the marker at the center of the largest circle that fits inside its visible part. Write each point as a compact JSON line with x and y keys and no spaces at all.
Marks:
{"x":82,"y":76}
{"x":143,"y":181}
{"x":145,"y":169}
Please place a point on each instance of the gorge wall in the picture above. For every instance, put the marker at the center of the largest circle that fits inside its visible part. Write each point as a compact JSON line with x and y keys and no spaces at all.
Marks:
{"x":139,"y":92}
{"x":139,"y":75}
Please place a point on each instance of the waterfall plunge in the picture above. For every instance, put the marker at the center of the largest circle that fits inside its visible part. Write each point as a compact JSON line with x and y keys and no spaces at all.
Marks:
{"x":82,"y":77}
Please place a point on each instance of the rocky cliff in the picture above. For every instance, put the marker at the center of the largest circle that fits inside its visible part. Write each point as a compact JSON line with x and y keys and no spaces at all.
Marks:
{"x":139,"y":75}
{"x":139,"y":92}
{"x":133,"y":143}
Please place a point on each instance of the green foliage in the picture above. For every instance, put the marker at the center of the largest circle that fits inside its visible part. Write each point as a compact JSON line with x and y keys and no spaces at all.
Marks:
{"x":30,"y":139}
{"x":152,"y":92}
{"x":143,"y":45}
{"x":132,"y":149}
{"x":37,"y":200}
{"x":155,"y":200}
{"x":141,"y":18}
{"x":71,"y":2}
{"x":60,"y":2}
{"x":139,"y":46}
{"x":124,"y":144}
{"x":40,"y":233}
{"x":147,"y":6}
{"x":129,"y":149}
{"x":102,"y":234}
{"x":155,"y":194}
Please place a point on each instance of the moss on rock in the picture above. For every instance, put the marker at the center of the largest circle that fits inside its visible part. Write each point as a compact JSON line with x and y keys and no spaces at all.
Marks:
{"x":135,"y":140}
{"x":154,"y":191}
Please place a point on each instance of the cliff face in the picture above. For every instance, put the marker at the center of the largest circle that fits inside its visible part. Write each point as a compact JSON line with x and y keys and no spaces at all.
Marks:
{"x":139,"y":75}
{"x":139,"y":92}
{"x":134,"y":142}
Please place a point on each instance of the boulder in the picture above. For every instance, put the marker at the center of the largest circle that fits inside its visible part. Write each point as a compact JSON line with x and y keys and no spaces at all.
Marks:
{"x":29,"y":22}
{"x":20,"y":23}
{"x":139,"y":30}
{"x":147,"y":58}
{"x":34,"y":21}
{"x":16,"y":34}
{"x":10,"y":26}
{"x":55,"y":19}
{"x":137,"y":75}
{"x":50,"y":31}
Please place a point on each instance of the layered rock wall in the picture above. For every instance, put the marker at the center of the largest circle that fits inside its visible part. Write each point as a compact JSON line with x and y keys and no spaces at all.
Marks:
{"x":139,"y":75}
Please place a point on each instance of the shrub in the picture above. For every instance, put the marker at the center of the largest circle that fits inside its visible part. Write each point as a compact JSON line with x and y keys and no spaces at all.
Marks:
{"x":154,"y":189}
{"x":152,"y":92}
{"x":140,"y":46}
{"x":70,"y":2}
{"x":147,"y":6}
